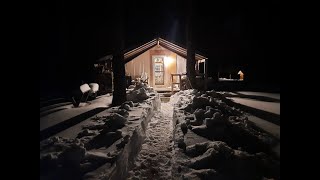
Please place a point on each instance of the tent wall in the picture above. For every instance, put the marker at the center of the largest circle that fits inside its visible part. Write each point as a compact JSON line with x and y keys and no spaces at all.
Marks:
{"x":138,"y":65}
{"x":143,"y":63}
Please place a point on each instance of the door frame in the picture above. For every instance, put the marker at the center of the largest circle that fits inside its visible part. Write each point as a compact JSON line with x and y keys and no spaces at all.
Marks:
{"x":153,"y":72}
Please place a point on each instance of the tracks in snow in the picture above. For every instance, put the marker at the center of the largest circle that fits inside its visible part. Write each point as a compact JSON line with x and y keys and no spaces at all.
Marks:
{"x":154,"y":159}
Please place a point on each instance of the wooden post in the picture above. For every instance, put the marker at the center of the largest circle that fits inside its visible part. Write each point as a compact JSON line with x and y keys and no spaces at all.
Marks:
{"x":180,"y":81}
{"x":171,"y":83}
{"x":205,"y":74}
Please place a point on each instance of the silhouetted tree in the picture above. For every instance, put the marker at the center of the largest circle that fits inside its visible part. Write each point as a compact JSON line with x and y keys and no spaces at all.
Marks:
{"x":119,"y":80}
{"x":190,"y":47}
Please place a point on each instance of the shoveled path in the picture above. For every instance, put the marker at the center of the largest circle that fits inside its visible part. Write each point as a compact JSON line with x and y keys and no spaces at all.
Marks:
{"x":154,"y":159}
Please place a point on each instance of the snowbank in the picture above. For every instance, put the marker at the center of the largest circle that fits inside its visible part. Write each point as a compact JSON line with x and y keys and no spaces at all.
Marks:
{"x":106,"y":146}
{"x":139,"y":92}
{"x":235,"y":148}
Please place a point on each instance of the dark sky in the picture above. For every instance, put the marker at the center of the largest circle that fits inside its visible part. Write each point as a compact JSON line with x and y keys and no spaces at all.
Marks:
{"x":239,"y":34}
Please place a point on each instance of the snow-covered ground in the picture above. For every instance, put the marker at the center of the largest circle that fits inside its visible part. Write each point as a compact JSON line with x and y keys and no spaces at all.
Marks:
{"x":196,"y":135}
{"x":69,"y":111}
{"x":266,"y":126}
{"x":101,"y":146}
{"x":271,"y":95}
{"x":154,"y":159}
{"x":214,"y":140}
{"x":273,"y":107}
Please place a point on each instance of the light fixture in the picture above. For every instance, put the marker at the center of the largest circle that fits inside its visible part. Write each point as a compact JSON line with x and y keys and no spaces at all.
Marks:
{"x":168,"y":60}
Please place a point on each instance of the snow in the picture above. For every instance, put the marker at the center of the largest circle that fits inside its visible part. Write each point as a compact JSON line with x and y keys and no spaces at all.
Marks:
{"x":94,"y":87}
{"x":218,"y":155}
{"x":99,"y":147}
{"x":266,"y":126}
{"x":70,"y":112}
{"x":273,"y":107}
{"x":226,"y":79}
{"x":139,"y":93}
{"x":228,"y":144}
{"x":271,"y":95}
{"x":196,"y":135}
{"x":85,"y":88}
{"x":154,"y":159}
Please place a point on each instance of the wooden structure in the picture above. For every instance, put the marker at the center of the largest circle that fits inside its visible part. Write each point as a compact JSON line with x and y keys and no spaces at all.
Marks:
{"x":162,"y":61}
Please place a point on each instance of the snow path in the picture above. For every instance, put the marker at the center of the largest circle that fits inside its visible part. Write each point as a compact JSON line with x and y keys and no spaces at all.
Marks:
{"x":154,"y":159}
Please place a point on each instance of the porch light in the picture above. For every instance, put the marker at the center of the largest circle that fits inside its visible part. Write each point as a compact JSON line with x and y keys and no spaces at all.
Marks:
{"x":241,"y":75}
{"x":168,"y":61}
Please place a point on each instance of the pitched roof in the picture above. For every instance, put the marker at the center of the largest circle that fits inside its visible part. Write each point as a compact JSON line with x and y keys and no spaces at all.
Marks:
{"x":131,"y":54}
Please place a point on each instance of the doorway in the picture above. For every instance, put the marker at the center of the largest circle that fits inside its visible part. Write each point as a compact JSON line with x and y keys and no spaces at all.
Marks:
{"x":158,"y":70}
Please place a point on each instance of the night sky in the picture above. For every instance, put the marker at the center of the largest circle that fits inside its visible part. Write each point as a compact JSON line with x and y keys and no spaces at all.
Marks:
{"x":234,"y":35}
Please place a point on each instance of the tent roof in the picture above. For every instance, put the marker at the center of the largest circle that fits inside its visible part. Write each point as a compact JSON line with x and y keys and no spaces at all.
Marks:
{"x":131,"y":54}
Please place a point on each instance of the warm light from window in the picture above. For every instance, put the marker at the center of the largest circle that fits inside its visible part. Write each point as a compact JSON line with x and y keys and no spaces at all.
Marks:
{"x":168,"y":61}
{"x":241,"y":75}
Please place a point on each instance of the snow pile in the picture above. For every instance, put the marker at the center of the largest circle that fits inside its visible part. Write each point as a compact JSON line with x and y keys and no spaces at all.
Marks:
{"x":182,"y":97}
{"x":217,"y":159}
{"x":94,"y":87}
{"x":214,"y":119}
{"x":237,"y":150}
{"x":104,"y":146}
{"x":64,"y":158}
{"x":57,"y":153}
{"x":104,"y":131}
{"x":59,"y":150}
{"x":85,"y":88}
{"x":139,"y":92}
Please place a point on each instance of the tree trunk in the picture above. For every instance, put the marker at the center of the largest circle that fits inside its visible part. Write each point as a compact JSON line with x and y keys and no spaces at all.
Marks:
{"x":119,"y":80}
{"x":118,"y":68}
{"x":190,"y":48}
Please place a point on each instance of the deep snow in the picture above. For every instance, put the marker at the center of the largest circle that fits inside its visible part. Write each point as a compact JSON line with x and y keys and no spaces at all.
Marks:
{"x":235,"y":148}
{"x":196,"y":135}
{"x":101,"y":146}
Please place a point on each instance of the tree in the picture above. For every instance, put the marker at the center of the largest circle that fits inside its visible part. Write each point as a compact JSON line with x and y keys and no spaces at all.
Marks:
{"x":118,"y":68}
{"x":190,"y":47}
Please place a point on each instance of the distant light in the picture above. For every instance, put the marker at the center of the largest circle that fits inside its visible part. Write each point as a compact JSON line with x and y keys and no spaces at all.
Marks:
{"x":168,"y":61}
{"x":241,"y":75}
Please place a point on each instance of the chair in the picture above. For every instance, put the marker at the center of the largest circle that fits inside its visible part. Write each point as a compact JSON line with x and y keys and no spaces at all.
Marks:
{"x":85,"y":88}
{"x":94,"y":87}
